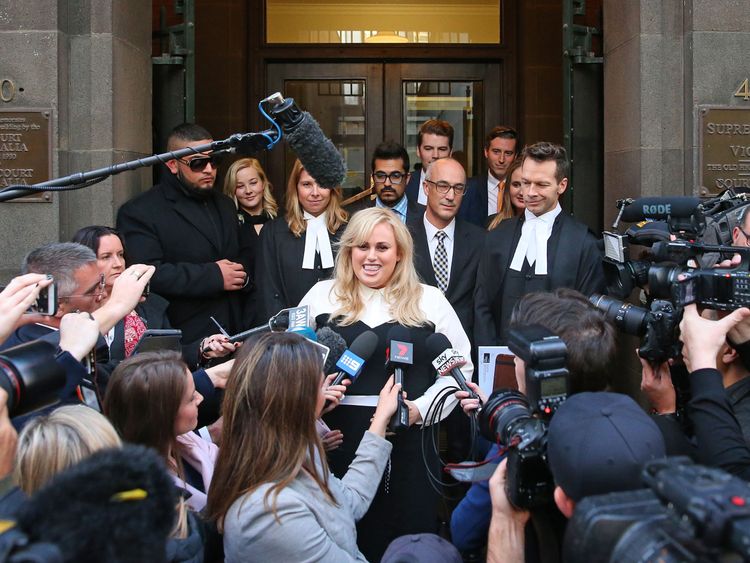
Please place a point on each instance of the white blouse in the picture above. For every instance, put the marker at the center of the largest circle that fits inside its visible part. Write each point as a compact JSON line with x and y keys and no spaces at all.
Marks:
{"x":435,"y":308}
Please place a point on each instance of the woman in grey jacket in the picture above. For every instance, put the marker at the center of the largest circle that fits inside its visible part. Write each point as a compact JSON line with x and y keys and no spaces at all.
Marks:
{"x":272,"y":492}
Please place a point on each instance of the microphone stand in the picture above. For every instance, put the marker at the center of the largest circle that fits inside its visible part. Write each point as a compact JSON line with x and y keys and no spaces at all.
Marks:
{"x":251,"y":142}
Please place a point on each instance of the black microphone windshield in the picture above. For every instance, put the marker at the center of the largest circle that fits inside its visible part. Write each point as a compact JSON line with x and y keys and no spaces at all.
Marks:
{"x":660,"y":208}
{"x":336,"y":345}
{"x":437,"y":344}
{"x":364,"y":345}
{"x":316,"y":152}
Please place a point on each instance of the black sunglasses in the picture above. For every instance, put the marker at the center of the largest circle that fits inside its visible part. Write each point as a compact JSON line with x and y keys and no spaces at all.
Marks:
{"x":199,"y":164}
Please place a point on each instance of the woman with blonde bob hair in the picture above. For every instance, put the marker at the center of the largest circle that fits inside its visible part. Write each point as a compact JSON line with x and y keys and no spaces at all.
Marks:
{"x":375,"y":287}
{"x":273,"y":495}
{"x":50,"y":443}
{"x":298,"y":250}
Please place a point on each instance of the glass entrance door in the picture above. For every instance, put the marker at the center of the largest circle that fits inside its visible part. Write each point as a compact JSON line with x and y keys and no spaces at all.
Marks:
{"x":360,"y":105}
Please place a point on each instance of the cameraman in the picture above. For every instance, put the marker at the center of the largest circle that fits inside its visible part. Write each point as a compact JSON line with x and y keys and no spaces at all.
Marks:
{"x":717,"y":432}
{"x":597,"y":444}
{"x":590,"y":340}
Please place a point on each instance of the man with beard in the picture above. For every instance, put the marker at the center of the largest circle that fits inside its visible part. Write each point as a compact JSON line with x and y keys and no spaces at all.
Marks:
{"x":189,"y":231}
{"x":390,"y":174}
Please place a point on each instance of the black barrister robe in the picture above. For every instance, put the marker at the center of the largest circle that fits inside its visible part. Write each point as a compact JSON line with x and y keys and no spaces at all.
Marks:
{"x":574,"y":260}
{"x":282,"y":282}
{"x":165,"y":227}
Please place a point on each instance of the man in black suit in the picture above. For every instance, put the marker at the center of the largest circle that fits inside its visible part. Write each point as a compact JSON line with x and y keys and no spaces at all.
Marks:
{"x":189,"y":231}
{"x":434,"y":141}
{"x":485,"y":195}
{"x":390,"y":174}
{"x":453,"y":267}
{"x":541,"y":250}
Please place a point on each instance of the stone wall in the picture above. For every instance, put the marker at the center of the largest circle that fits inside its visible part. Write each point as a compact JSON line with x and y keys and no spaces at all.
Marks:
{"x":90,"y":62}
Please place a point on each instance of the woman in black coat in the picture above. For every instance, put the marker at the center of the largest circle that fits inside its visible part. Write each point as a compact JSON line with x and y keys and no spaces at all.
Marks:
{"x":298,"y":251}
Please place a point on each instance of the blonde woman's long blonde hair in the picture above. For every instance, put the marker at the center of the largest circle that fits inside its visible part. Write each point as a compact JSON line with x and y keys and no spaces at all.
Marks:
{"x":336,"y":215}
{"x":230,"y":184}
{"x":403,"y":292}
{"x":51,"y":443}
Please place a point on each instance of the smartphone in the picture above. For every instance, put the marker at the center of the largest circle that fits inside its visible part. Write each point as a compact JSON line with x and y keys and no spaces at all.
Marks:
{"x":46,"y":303}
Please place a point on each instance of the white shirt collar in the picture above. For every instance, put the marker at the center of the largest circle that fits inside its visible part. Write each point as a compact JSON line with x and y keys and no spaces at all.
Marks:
{"x":492,"y":182}
{"x":431,"y":230}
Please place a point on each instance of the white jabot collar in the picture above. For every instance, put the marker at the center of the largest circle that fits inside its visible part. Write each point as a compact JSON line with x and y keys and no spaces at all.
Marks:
{"x":532,"y":245}
{"x":316,"y":239}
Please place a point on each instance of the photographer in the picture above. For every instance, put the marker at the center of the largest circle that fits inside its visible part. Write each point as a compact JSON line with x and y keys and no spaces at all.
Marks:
{"x":590,"y":341}
{"x":597,"y":444}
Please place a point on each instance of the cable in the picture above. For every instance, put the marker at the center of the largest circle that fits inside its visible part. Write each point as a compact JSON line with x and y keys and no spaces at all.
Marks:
{"x":276,"y":125}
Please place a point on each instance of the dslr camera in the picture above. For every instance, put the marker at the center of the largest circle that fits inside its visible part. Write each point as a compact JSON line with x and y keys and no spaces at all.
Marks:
{"x":688,"y":513}
{"x":679,"y":235}
{"x":519,"y":422}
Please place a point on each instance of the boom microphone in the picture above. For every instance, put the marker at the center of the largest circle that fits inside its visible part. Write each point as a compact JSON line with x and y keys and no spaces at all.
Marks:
{"x":448,"y":361}
{"x":661,"y":208}
{"x":315,"y":151}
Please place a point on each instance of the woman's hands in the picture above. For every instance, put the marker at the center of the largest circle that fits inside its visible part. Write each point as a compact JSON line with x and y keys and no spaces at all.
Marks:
{"x":217,"y":346}
{"x":386,"y":407}
{"x":333,"y":393}
{"x":467,"y":403}
{"x":16,"y":298}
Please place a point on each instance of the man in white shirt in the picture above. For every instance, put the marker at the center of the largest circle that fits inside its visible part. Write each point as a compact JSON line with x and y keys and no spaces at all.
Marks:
{"x":434,"y":141}
{"x":541,"y":250}
{"x":485,"y":195}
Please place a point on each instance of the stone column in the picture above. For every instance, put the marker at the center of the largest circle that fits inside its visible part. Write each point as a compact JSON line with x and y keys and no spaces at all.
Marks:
{"x":90,"y":62}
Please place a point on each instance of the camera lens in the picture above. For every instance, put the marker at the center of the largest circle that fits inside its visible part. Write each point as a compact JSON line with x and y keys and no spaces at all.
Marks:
{"x":625,"y":316}
{"x":31,"y":376}
{"x":500,"y":413}
{"x":661,"y":278}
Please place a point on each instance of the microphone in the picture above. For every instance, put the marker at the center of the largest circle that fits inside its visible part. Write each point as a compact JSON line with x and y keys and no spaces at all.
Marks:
{"x":281,"y":321}
{"x":353,"y":359}
{"x":336,"y":344}
{"x":316,"y":152}
{"x":399,"y":355}
{"x":448,"y":361}
{"x":661,"y":208}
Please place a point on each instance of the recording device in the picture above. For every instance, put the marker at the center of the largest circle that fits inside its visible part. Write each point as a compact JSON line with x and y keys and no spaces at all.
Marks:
{"x":352,"y":361}
{"x":335,"y":343}
{"x":399,"y":355}
{"x":159,"y":339}
{"x":72,"y":517}
{"x":46,"y":302}
{"x":30,"y":376}
{"x":520,"y":422}
{"x":675,"y":273}
{"x":688,"y":513}
{"x":448,"y":360}
{"x":281,"y":321}
{"x":316,"y":152}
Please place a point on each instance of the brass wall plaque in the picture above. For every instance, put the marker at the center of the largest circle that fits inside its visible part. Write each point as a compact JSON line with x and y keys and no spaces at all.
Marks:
{"x":724,"y":148}
{"x":25,"y":149}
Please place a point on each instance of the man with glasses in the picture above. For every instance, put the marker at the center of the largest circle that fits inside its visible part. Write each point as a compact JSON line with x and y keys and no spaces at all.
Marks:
{"x":189,"y":231}
{"x":390,"y":174}
{"x":541,"y":250}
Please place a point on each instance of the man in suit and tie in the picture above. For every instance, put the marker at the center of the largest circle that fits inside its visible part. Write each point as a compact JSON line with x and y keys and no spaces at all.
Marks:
{"x":434,"y":141}
{"x":485,"y":195}
{"x":447,"y":249}
{"x":390,"y":174}
{"x":189,"y":231}
{"x":541,"y":250}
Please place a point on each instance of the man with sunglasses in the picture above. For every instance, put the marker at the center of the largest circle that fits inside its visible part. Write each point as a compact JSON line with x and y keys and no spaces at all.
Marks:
{"x":390,"y":174}
{"x":189,"y":231}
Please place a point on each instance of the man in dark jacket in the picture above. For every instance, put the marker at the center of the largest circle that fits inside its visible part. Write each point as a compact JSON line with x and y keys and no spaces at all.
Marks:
{"x":189,"y":231}
{"x":541,"y":250}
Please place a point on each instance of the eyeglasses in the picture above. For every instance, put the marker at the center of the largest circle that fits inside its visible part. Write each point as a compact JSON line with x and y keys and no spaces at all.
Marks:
{"x":95,"y":290}
{"x":747,"y":237}
{"x":394,"y":177}
{"x":444,"y":187}
{"x":199,"y":164}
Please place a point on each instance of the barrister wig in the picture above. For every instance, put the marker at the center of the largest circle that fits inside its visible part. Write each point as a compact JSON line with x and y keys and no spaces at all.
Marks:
{"x":269,"y":435}
{"x":270,"y":206}
{"x":336,"y":215}
{"x":402,"y":292}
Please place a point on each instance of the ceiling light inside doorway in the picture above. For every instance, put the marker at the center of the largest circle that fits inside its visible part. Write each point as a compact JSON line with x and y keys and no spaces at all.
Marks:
{"x":386,"y":37}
